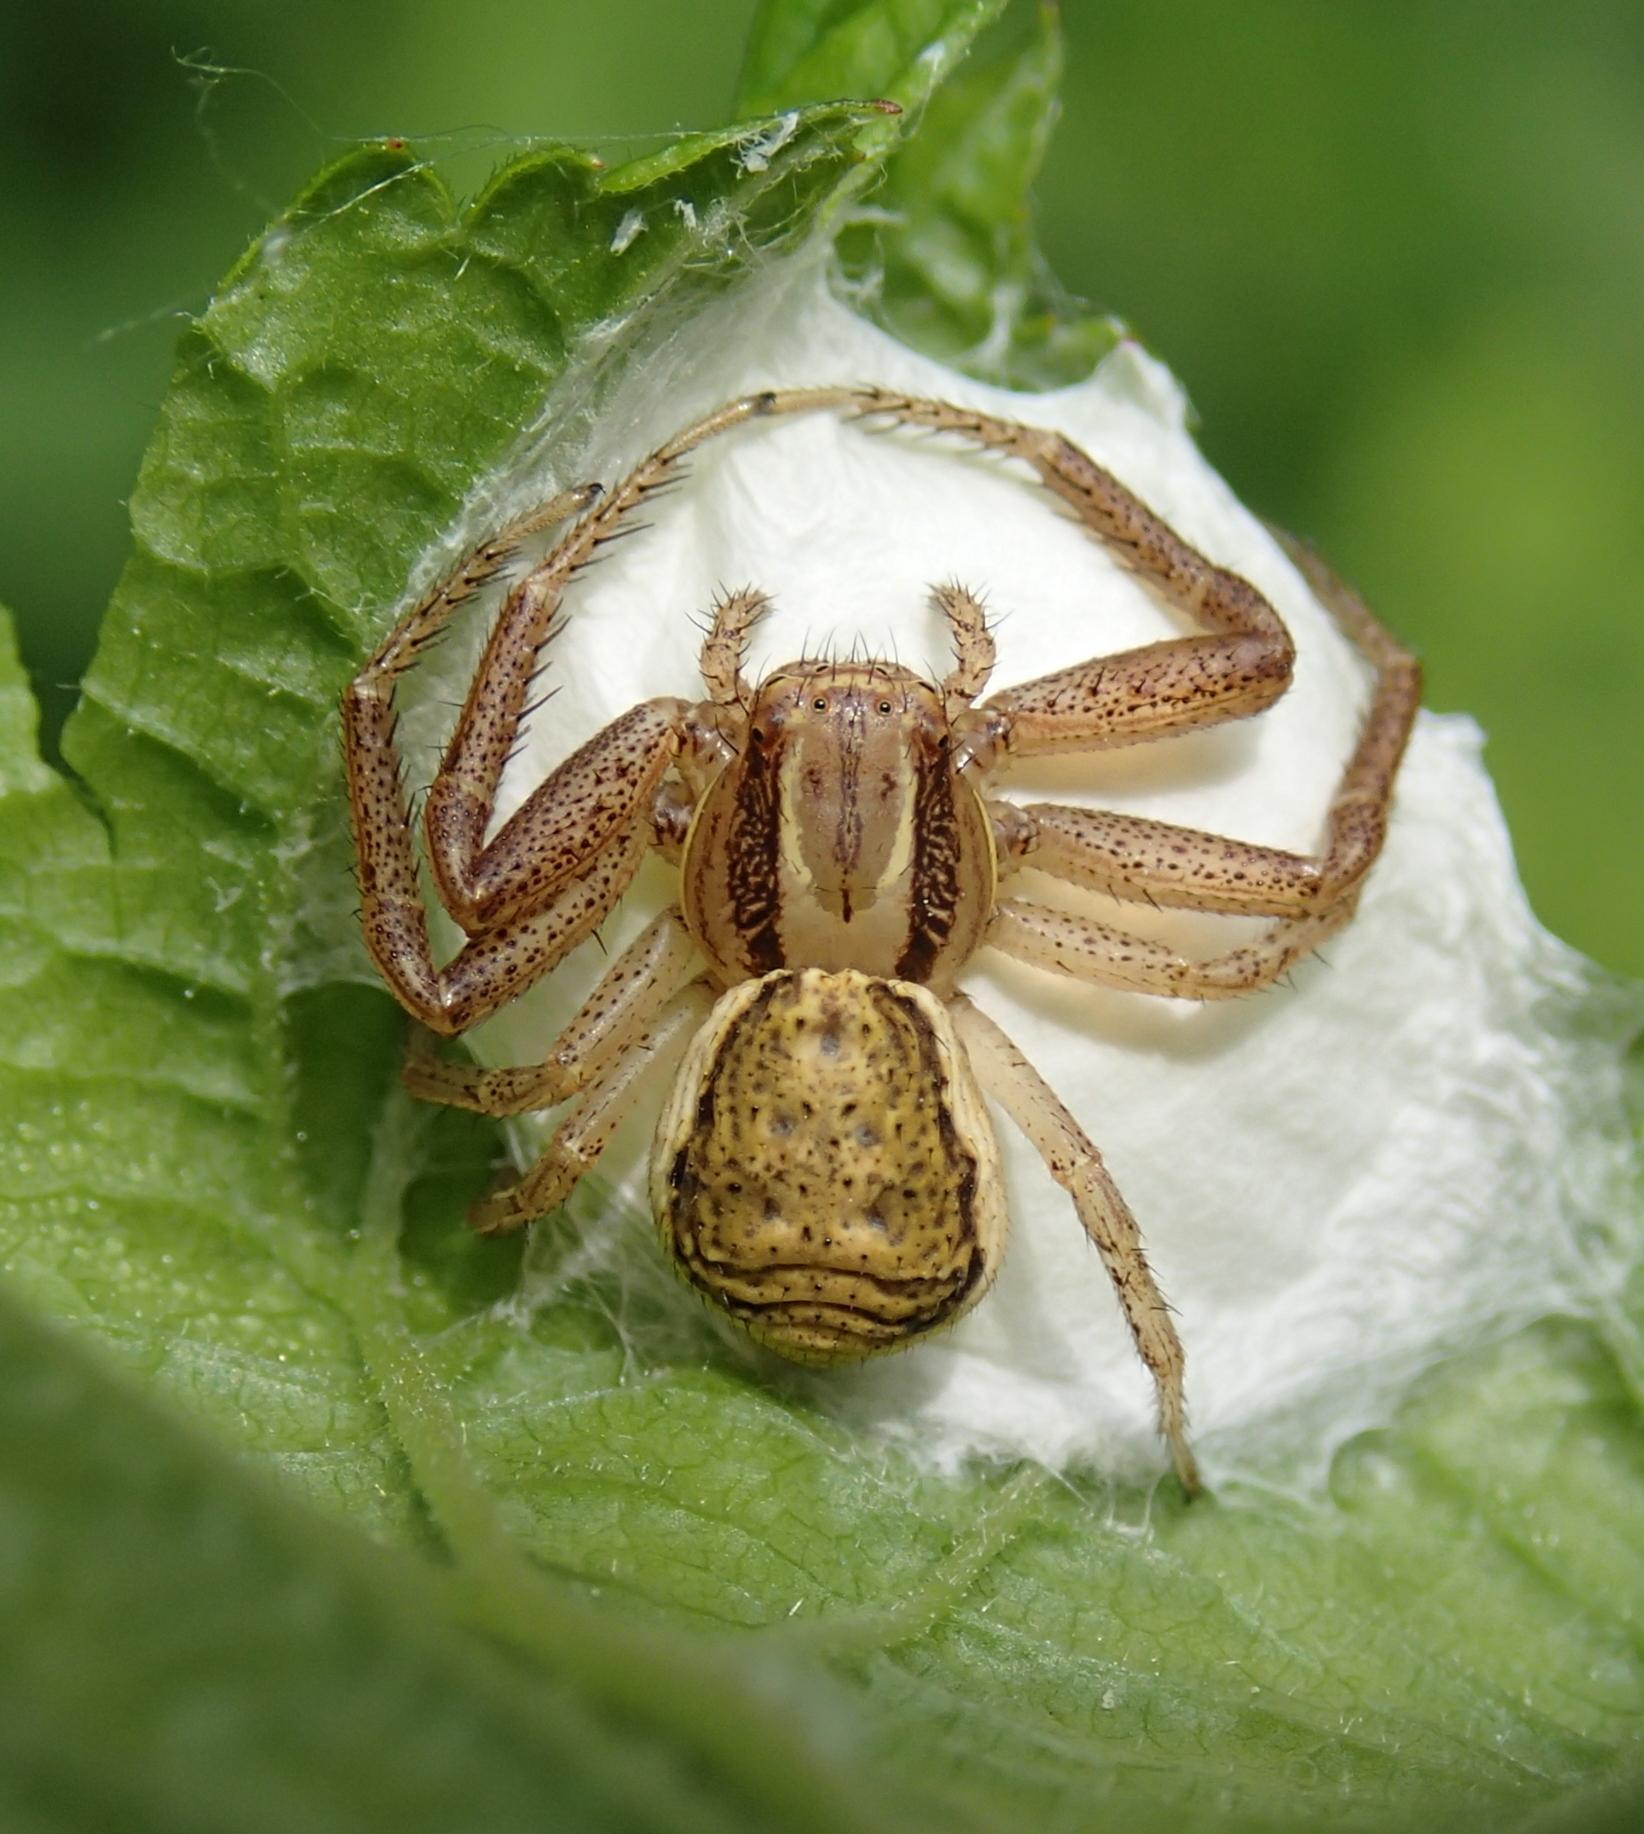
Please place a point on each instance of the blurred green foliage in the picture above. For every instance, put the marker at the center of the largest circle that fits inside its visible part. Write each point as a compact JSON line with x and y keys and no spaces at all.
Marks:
{"x":1395,"y":252}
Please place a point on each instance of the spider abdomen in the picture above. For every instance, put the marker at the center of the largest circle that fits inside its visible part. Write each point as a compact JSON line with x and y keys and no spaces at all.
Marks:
{"x":825,"y":1169}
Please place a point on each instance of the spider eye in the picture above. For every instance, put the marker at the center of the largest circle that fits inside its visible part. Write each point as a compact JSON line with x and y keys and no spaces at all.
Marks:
{"x":820,"y":704}
{"x":884,"y":706}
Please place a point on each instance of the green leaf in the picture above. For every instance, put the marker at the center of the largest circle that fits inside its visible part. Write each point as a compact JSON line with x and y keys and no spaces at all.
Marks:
{"x":658,"y":1596}
{"x":946,"y":256}
{"x":803,"y":51}
{"x":952,"y":262}
{"x":243,"y":1663}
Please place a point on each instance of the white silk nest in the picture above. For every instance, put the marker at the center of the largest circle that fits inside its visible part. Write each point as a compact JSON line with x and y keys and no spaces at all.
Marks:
{"x":1412,"y":1144}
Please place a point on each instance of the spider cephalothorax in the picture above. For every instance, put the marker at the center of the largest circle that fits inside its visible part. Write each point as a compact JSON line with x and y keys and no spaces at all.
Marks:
{"x":842,"y":829}
{"x":825,"y":1168}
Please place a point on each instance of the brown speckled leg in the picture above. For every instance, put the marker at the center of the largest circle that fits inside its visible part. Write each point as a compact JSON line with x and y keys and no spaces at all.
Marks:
{"x":559,"y":866}
{"x":1070,"y":943}
{"x":1154,"y":862}
{"x":1073,"y":1161}
{"x":629,"y":996}
{"x":587,"y":1129}
{"x":561,"y":862}
{"x":1240,"y":667}
{"x":1131,"y":857}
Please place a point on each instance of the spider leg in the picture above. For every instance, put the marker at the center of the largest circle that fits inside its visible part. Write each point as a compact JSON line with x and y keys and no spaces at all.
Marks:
{"x":597,"y":791}
{"x":1154,"y":862}
{"x":1073,"y":1161}
{"x":1070,"y":943}
{"x":499,"y":962}
{"x":561,"y":862}
{"x":1131,"y":857}
{"x":628,"y":997}
{"x":584,"y":805}
{"x":378,"y":809}
{"x":587,"y":1129}
{"x":1134,"y":696}
{"x":497,"y":965}
{"x":1239,"y":667}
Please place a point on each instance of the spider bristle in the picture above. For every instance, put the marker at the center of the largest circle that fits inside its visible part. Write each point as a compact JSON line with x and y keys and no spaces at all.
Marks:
{"x":622,"y":533}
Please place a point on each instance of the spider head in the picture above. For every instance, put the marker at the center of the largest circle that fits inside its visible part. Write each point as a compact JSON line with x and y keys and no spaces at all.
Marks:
{"x":847,"y":746}
{"x":860,"y":711}
{"x":849,"y":741}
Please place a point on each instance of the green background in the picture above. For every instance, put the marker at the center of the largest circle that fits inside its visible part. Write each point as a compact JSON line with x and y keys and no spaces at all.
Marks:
{"x":1395,"y":252}
{"x":206,"y":1176}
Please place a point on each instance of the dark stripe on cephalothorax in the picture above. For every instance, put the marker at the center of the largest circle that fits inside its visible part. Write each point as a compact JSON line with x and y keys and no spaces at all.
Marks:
{"x":933,"y":889}
{"x":753,"y":857}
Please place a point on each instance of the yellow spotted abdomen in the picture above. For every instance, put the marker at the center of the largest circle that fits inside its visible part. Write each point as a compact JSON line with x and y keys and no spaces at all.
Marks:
{"x":825,"y":1169}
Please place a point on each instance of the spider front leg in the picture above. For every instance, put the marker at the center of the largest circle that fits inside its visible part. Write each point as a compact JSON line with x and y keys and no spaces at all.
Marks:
{"x":562,"y":861}
{"x":1240,"y":666}
{"x":1133,"y":858}
{"x":1073,"y":1161}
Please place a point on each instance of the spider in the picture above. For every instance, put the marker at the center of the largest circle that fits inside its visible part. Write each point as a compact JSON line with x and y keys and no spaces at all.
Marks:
{"x":824,"y":1168}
